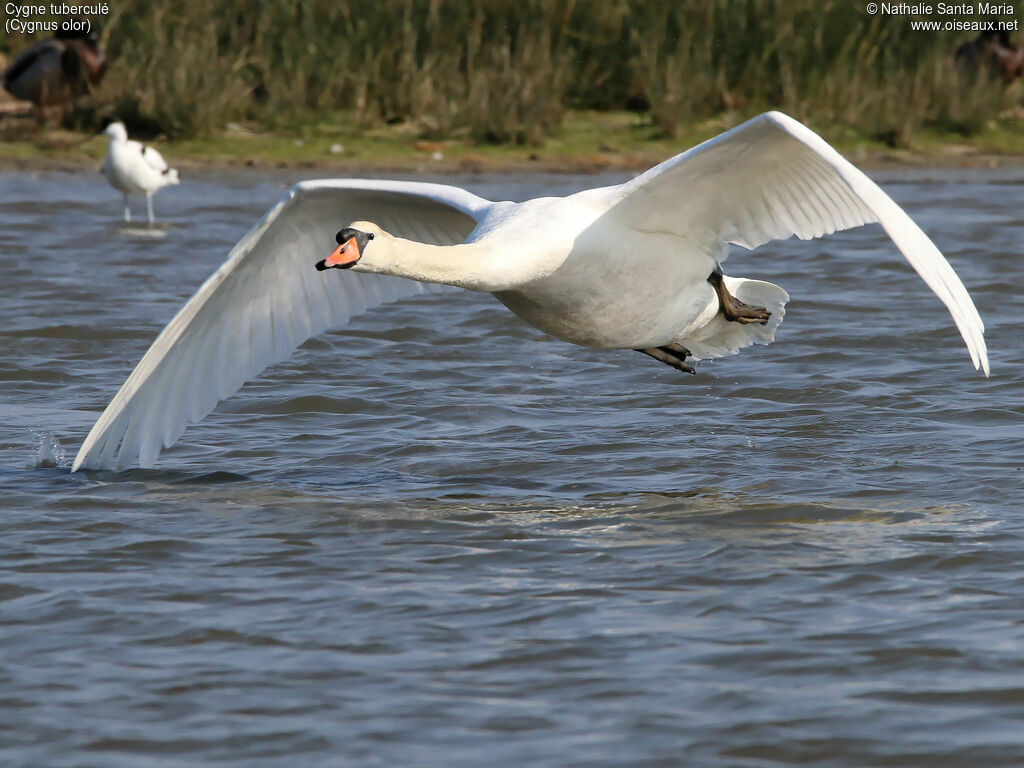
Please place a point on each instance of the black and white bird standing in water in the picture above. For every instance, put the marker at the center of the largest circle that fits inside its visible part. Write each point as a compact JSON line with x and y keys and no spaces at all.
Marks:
{"x":135,"y":169}
{"x":634,"y":266}
{"x":53,"y":72}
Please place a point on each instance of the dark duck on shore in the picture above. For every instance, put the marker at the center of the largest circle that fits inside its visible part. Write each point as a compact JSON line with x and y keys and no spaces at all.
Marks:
{"x":993,"y":50}
{"x":52,"y":72}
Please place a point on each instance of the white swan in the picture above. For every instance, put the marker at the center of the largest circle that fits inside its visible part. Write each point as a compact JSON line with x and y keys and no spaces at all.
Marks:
{"x":134,"y":169}
{"x":632,"y":266}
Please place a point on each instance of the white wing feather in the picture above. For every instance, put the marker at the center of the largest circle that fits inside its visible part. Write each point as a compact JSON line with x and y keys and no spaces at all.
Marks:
{"x":154,"y":159}
{"x":771,"y":178}
{"x":265,"y":301}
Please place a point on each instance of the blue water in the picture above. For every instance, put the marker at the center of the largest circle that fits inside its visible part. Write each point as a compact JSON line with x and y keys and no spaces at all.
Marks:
{"x":439,"y":537}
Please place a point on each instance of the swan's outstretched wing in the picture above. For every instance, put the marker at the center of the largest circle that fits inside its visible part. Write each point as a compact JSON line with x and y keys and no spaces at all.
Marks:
{"x":771,"y":178}
{"x":263,"y":302}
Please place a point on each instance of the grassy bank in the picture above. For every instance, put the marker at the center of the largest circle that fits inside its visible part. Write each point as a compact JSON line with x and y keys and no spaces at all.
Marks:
{"x":514,"y":71}
{"x":586,"y":141}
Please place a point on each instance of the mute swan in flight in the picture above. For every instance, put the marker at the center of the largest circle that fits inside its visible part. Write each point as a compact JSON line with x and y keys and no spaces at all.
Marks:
{"x":634,"y":266}
{"x":134,"y":169}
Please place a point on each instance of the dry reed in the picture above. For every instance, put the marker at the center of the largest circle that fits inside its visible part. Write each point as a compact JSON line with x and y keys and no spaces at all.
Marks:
{"x":505,"y":70}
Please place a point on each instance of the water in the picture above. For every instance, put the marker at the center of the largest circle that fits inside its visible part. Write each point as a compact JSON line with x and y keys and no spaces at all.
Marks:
{"x":439,"y":538}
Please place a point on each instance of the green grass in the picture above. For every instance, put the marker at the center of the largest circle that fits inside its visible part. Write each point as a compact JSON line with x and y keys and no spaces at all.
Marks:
{"x":587,"y":140}
{"x":516,"y":72}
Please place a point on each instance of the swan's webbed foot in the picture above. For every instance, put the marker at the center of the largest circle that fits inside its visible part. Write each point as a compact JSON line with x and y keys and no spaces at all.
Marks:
{"x":732,"y":308}
{"x":673,"y":355}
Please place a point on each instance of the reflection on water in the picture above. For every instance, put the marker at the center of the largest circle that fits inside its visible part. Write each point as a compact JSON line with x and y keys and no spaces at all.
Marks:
{"x":155,"y":232}
{"x":439,"y":537}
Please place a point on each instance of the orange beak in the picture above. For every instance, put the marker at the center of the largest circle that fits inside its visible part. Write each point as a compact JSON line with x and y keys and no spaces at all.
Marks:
{"x":342,"y":257}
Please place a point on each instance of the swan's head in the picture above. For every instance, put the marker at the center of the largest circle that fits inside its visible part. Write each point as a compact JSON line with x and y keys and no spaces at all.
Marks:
{"x":353,"y":241}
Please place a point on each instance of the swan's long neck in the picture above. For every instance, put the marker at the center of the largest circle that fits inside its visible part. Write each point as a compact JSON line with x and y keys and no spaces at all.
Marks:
{"x":468,"y":265}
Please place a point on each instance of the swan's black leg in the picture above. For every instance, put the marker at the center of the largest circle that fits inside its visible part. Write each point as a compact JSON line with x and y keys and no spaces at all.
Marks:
{"x":673,"y":355}
{"x":732,"y":308}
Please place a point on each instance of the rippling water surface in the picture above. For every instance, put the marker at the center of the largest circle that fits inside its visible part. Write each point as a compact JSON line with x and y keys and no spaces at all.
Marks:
{"x":441,"y":538}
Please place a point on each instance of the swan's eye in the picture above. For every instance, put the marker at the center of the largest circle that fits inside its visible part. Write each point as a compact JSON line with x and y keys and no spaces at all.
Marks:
{"x":369,"y":235}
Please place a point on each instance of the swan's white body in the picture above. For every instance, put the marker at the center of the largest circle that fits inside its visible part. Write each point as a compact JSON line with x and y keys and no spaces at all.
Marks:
{"x":616,"y":267}
{"x":134,"y":169}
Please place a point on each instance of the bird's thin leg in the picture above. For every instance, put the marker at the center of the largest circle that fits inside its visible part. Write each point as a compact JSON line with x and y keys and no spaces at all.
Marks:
{"x":127,"y":211}
{"x":149,"y":207}
{"x":673,"y":355}
{"x":732,"y":308}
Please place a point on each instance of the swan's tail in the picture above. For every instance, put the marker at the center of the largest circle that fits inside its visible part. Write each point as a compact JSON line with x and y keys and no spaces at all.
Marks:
{"x":721,"y":337}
